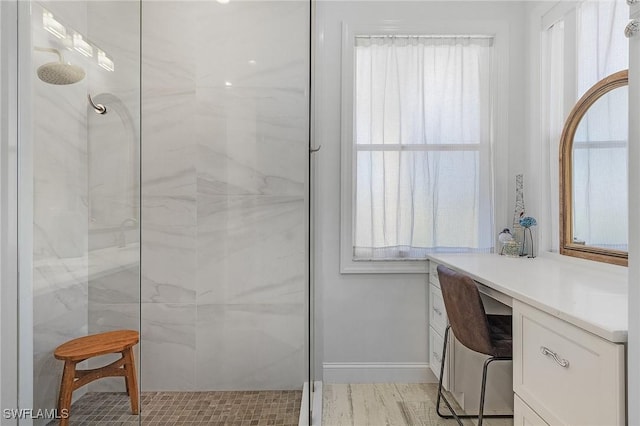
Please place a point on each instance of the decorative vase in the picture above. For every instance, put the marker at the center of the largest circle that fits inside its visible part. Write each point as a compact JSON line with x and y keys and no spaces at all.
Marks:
{"x":518,"y":212}
{"x":512,"y":248}
{"x":527,"y":223}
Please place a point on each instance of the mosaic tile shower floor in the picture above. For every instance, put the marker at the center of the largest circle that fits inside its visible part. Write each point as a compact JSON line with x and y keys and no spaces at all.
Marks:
{"x":251,"y":408}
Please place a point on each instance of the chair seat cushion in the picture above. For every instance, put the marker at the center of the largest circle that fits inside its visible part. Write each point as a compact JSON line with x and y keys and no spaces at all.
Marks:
{"x":500,"y":328}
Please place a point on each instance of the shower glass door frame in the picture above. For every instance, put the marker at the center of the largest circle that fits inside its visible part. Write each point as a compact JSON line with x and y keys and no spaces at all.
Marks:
{"x":8,"y":207}
{"x":25,"y":214}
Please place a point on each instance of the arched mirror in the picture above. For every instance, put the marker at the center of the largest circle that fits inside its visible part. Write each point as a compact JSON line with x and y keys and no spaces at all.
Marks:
{"x":593,"y":174}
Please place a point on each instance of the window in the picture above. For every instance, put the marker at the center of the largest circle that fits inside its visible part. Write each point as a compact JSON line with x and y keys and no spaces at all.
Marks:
{"x":600,"y":144}
{"x":422,"y":132}
{"x":583,"y":44}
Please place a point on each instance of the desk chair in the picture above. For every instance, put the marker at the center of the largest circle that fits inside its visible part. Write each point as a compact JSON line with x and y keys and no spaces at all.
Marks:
{"x":487,"y":334}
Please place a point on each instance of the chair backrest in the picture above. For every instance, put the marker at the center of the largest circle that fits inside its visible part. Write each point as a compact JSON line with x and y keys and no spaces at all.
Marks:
{"x":465,"y":310}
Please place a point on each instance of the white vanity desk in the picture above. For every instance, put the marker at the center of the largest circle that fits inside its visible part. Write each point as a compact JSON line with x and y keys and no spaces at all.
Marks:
{"x":576,"y":309}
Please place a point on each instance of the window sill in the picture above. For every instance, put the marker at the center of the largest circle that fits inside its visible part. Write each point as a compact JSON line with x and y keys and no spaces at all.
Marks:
{"x":400,"y":266}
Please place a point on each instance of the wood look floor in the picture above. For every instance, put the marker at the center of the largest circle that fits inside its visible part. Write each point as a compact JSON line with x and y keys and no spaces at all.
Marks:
{"x":386,"y":404}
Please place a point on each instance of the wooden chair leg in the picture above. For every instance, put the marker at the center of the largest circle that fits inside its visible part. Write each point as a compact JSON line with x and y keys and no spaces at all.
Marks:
{"x":126,"y":380}
{"x":130,"y":379}
{"x":66,"y":391}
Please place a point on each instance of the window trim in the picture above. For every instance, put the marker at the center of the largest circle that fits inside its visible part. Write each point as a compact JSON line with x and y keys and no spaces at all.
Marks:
{"x":499,"y":30}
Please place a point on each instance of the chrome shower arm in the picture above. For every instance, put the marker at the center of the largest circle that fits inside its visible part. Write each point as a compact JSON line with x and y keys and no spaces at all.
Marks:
{"x":50,"y":50}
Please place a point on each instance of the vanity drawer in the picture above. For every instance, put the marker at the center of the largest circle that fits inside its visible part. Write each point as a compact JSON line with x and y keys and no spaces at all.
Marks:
{"x":523,"y":415}
{"x":437,"y":312}
{"x":566,"y":375}
{"x":433,"y":274}
{"x":435,"y":356}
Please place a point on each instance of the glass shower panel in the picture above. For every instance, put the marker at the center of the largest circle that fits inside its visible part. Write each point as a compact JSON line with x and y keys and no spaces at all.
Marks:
{"x":225,"y":193}
{"x":85,"y":177}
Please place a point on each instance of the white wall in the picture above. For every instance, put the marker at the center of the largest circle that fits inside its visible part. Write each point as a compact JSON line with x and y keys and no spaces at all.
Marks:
{"x":381,"y":318}
{"x":633,"y":346}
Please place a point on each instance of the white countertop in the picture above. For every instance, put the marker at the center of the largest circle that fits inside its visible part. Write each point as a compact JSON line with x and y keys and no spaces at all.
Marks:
{"x":590,"y":295}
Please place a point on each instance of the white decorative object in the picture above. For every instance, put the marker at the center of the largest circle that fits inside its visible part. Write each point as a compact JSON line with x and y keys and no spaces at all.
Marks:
{"x":518,"y":212}
{"x":504,"y":237}
{"x":512,"y":248}
{"x":632,"y":28}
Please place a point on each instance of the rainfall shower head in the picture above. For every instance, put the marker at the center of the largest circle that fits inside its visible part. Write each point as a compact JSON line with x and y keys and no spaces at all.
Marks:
{"x":58,"y":72}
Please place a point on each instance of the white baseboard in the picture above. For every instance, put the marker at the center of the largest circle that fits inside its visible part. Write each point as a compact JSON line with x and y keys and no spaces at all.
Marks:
{"x":377,"y":372}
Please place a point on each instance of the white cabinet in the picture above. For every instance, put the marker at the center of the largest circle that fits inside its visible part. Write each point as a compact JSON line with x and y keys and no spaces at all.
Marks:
{"x":437,"y":324}
{"x":565,"y":374}
{"x":437,"y":312}
{"x":569,"y":337}
{"x":523,"y":415}
{"x":435,"y":357}
{"x":463,"y":367}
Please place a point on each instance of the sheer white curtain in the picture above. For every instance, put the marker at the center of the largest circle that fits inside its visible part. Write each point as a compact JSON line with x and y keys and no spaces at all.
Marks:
{"x":602,"y":47}
{"x":422,"y":145}
{"x":600,"y":144}
{"x":555,"y":110}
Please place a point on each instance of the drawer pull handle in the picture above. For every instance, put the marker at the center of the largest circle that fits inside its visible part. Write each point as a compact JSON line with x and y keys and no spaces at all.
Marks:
{"x":437,"y":311}
{"x":437,"y":357}
{"x":548,"y":352}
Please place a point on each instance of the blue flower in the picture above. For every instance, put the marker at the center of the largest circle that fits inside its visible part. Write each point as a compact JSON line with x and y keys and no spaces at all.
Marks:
{"x":528,"y":222}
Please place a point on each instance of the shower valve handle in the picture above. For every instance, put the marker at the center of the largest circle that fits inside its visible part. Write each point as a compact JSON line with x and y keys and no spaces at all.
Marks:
{"x":98,"y":108}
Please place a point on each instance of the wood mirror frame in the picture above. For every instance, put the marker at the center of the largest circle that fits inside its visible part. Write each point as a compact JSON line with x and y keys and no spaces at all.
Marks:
{"x":567,"y":246}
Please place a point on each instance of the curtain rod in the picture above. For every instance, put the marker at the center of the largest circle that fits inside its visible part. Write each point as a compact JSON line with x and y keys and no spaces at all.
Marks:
{"x":427,"y":36}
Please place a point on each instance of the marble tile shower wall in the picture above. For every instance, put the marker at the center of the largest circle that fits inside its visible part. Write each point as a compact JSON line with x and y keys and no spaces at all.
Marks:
{"x":252,"y":142}
{"x":224,"y":166}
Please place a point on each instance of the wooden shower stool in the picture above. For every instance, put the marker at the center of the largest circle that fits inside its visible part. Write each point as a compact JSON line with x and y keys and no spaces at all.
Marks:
{"x":83,"y":348}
